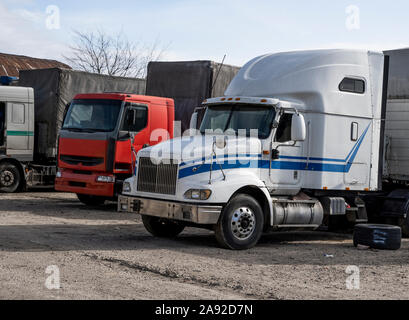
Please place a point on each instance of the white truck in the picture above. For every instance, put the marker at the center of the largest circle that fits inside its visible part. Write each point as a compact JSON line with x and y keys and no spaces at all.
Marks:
{"x":16,"y":135}
{"x":298,"y":141}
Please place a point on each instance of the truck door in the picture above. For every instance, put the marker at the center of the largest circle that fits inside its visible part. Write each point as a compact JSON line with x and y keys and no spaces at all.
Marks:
{"x":287,"y":170}
{"x":136,"y":123}
{"x":17,"y":126}
{"x":2,"y":123}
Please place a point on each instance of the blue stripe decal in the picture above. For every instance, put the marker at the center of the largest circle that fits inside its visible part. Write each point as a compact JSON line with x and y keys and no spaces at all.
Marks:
{"x":224,"y":157}
{"x":277,"y":165}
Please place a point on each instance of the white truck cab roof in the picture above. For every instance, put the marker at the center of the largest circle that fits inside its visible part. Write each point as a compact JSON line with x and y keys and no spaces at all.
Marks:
{"x":311,"y":79}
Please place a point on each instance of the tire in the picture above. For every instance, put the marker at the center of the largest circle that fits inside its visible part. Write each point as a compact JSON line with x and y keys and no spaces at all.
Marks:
{"x":404,"y":224}
{"x":91,"y":201}
{"x":378,"y":236}
{"x":10,"y":178}
{"x":162,"y":228}
{"x":241,"y":224}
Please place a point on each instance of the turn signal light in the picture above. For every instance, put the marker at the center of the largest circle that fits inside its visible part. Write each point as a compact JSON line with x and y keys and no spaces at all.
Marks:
{"x":197,"y":194}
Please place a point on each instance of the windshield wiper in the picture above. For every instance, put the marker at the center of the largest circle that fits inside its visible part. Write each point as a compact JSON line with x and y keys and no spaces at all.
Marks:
{"x":99,"y":130}
{"x":79,"y":130}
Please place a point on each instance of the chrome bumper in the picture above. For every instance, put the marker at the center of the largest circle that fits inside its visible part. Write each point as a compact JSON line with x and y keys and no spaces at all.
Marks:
{"x":198,"y":214}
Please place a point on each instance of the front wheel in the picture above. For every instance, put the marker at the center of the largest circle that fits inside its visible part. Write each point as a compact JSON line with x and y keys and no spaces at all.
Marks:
{"x":10,"y":178}
{"x":91,"y":200}
{"x":241,"y":224}
{"x":162,"y":228}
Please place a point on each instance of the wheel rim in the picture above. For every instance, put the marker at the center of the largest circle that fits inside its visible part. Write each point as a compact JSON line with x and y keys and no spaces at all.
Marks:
{"x":7,"y":178}
{"x":243,"y":223}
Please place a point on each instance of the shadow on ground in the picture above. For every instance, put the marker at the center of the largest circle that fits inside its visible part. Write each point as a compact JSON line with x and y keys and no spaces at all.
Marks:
{"x":98,"y":233}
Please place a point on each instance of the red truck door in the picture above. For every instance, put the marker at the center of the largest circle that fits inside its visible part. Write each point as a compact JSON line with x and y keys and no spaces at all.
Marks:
{"x":136,"y":123}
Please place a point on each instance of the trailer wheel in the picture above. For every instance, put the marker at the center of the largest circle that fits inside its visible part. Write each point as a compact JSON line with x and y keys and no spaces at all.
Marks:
{"x":378,"y":236}
{"x":10,"y":178}
{"x":91,"y":200}
{"x":241,"y":224}
{"x":162,"y":228}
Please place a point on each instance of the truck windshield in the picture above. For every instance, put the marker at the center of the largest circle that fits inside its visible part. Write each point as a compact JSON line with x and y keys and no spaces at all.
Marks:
{"x":239,"y":118}
{"x":93,"y":115}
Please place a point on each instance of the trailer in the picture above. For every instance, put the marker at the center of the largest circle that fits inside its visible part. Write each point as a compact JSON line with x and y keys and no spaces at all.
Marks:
{"x":188,"y":83}
{"x":33,"y":114}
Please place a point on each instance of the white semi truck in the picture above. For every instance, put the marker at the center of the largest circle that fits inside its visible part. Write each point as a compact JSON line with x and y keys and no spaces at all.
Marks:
{"x":298,"y":141}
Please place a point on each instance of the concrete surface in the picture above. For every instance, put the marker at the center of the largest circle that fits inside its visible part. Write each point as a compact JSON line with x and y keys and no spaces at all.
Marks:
{"x":102,"y":254}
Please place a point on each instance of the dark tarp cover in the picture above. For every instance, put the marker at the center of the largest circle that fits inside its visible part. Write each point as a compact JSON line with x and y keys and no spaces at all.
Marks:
{"x":189,"y":83}
{"x":53,"y":91}
{"x":398,"y":87}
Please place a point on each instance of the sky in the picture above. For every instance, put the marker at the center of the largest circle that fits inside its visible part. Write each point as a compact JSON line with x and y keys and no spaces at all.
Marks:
{"x":206,"y":29}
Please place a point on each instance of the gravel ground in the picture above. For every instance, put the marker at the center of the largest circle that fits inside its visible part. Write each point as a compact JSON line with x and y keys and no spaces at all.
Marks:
{"x":102,"y":254}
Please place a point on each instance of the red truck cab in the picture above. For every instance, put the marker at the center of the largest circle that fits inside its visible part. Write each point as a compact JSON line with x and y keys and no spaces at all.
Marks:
{"x":94,"y":149}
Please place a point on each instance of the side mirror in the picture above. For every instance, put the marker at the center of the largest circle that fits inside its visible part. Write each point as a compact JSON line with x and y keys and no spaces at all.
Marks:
{"x":220,"y":142}
{"x":123,"y":136}
{"x":298,"y":128}
{"x":275,"y":154}
{"x":193,"y":121}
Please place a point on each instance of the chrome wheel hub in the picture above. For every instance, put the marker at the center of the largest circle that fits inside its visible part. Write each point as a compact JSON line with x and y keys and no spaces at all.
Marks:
{"x":243,"y":223}
{"x":6,"y":178}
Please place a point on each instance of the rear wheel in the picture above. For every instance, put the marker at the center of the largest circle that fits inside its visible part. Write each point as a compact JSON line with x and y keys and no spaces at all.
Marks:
{"x":162,"y":228}
{"x":91,"y":200}
{"x":241,"y":224}
{"x":10,"y":178}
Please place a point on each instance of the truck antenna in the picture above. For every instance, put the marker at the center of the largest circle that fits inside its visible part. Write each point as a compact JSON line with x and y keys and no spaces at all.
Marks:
{"x":217,"y":75}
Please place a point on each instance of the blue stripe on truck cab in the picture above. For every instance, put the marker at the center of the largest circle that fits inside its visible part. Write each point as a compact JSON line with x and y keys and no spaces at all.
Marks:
{"x":319,"y":164}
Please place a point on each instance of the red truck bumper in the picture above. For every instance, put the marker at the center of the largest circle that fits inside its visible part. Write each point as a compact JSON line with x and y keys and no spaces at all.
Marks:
{"x":68,"y":181}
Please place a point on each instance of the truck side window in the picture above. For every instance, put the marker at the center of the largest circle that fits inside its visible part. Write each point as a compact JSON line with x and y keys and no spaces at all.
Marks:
{"x":136,"y":119}
{"x":352,"y":85}
{"x":283,"y":133}
{"x":17,"y":114}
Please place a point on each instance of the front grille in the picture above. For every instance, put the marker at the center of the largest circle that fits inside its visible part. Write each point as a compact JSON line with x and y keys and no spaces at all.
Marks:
{"x":157,"y":178}
{"x":85,"y":161}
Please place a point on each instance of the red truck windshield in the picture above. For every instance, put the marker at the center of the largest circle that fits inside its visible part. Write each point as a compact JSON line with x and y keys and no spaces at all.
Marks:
{"x":93,"y":115}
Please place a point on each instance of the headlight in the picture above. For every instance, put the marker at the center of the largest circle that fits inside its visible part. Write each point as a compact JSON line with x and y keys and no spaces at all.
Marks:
{"x":198,"y":194}
{"x":106,"y":179}
{"x":58,"y":174}
{"x":126,"y":187}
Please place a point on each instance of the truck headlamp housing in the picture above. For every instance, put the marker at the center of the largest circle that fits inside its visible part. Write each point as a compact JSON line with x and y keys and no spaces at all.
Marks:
{"x":198,"y":194}
{"x":126,"y":187}
{"x":106,"y":179}
{"x":58,"y":174}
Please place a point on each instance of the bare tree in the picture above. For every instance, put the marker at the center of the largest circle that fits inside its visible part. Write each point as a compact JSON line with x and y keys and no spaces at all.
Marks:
{"x":101,"y":53}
